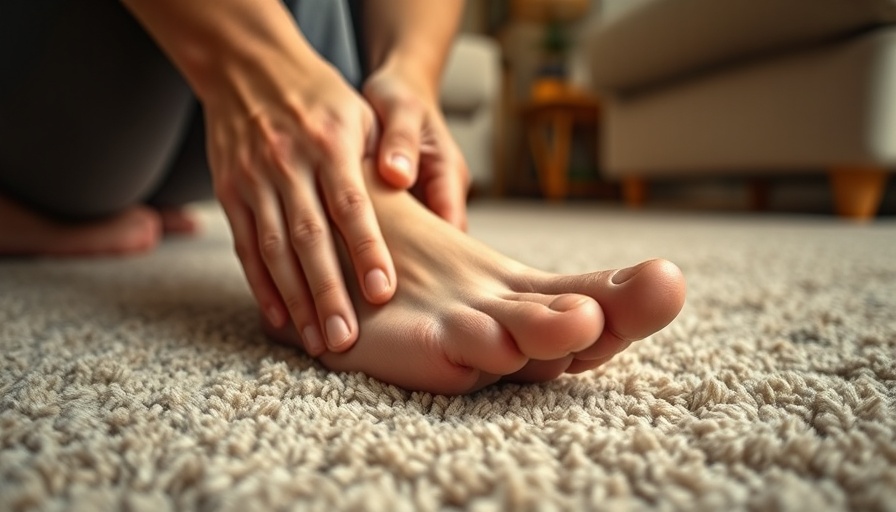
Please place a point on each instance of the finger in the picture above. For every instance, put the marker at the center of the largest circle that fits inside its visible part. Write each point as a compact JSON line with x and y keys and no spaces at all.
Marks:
{"x":445,"y":193}
{"x":277,"y":253}
{"x":352,"y":212}
{"x":246,"y":247}
{"x":311,"y":239}
{"x":399,"y":152}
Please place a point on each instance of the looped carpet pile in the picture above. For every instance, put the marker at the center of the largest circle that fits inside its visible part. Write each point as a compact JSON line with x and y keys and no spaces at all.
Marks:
{"x":144,"y":384}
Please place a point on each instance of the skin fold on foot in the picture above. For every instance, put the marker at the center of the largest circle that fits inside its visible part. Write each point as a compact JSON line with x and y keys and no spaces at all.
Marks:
{"x":465,"y":316}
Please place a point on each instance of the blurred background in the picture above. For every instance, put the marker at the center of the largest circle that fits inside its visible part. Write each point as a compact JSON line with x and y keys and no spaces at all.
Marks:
{"x":754,"y":105}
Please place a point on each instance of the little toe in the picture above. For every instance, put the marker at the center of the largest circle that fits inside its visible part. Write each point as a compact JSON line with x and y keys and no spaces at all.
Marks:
{"x":548,"y":327}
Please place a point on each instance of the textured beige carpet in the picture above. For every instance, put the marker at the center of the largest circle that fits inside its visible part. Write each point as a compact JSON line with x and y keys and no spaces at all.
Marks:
{"x":143,"y":384}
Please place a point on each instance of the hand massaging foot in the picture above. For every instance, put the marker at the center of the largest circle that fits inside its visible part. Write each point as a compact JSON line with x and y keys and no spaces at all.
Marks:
{"x":465,"y":316}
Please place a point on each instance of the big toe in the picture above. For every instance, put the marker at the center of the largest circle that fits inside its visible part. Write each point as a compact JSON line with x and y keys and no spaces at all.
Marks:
{"x":643,"y":299}
{"x":636,"y":301}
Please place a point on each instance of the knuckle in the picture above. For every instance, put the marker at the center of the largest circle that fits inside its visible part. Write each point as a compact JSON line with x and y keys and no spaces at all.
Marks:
{"x":327,"y":132}
{"x":364,"y":245}
{"x":294,"y":303}
{"x":325,"y":288}
{"x":271,"y":246}
{"x":348,"y":205}
{"x":278,"y":152}
{"x":276,"y":145}
{"x":307,"y":231}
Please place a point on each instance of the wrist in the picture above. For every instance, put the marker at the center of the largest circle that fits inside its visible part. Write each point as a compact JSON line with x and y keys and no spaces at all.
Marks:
{"x":228,"y":47}
{"x":416,"y":71}
{"x":255,"y":72}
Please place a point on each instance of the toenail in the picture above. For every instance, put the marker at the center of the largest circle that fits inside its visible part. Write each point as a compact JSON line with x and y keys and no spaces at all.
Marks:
{"x":337,"y":332}
{"x":625,"y":274}
{"x":313,"y":344}
{"x":566,"y":303}
{"x":376,"y":283}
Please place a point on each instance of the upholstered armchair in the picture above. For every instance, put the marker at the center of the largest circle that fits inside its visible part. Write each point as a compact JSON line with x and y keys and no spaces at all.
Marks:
{"x":696,"y":87}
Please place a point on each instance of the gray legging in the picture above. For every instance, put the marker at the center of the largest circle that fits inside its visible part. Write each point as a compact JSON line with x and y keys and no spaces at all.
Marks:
{"x":93,"y":117}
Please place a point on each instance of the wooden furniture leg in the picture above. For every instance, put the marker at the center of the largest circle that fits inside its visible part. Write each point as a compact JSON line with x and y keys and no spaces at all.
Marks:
{"x":857,"y":191}
{"x":634,"y":191}
{"x":551,"y":151}
{"x":758,"y":194}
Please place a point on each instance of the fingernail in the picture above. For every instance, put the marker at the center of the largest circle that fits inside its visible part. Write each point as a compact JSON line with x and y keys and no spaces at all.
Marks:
{"x":337,"y":331}
{"x":376,"y":283}
{"x":313,"y":343}
{"x":566,"y":303}
{"x":625,"y":274}
{"x":274,"y":316}
{"x":400,"y":163}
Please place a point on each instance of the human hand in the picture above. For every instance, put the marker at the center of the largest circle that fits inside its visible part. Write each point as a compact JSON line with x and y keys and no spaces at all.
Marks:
{"x":415,"y":136}
{"x":285,"y":144}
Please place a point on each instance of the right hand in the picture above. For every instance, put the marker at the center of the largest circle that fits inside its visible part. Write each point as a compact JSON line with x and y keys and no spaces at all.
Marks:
{"x":285,"y":144}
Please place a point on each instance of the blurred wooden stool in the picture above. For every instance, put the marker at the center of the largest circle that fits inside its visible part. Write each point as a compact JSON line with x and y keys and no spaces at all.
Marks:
{"x":550,"y":118}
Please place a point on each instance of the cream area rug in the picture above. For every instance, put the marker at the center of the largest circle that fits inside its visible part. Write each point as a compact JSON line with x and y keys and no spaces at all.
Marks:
{"x":143,"y":384}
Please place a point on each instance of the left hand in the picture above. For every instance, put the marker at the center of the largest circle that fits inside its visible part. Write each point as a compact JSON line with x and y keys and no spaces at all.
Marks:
{"x":415,"y":148}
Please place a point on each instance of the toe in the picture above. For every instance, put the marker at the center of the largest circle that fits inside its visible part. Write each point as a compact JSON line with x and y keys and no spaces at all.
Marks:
{"x":583,"y":365}
{"x":420,"y":356}
{"x":410,"y":354}
{"x":137,"y":230}
{"x":178,"y":221}
{"x":477,"y":340}
{"x":133,"y":231}
{"x":636,"y":302}
{"x":540,"y":371}
{"x":548,"y":327}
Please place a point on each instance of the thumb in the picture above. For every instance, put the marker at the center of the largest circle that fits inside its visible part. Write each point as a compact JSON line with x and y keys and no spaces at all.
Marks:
{"x":399,"y":151}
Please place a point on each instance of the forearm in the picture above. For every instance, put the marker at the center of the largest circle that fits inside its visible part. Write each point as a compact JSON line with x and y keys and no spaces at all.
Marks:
{"x":218,"y":45}
{"x":412,"y":35}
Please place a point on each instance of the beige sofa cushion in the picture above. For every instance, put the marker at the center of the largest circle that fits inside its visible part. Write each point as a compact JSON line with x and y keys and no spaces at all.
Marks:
{"x":469,"y":98}
{"x":832,"y":105}
{"x":660,"y":40}
{"x":472,"y":73}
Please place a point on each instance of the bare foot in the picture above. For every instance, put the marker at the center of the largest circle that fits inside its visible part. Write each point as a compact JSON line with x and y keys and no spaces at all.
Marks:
{"x":24,"y":232}
{"x":178,"y":221}
{"x":465,"y":316}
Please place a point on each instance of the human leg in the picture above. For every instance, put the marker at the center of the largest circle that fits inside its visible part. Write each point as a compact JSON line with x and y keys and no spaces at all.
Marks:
{"x":188,"y":180}
{"x":90,"y":119}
